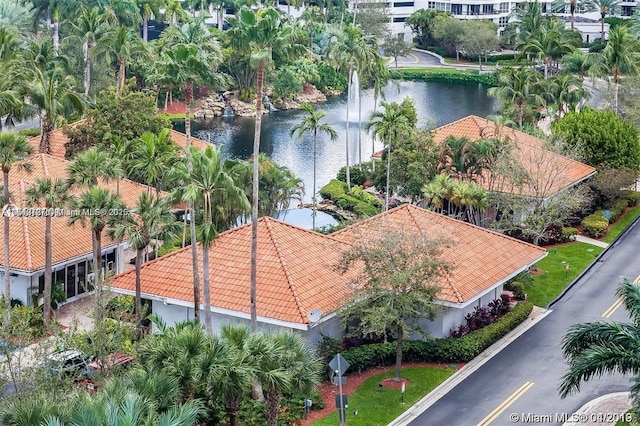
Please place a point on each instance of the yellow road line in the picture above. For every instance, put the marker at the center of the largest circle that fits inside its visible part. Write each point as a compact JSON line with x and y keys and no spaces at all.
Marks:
{"x":416,"y":59}
{"x":506,"y":404}
{"x":613,"y":308}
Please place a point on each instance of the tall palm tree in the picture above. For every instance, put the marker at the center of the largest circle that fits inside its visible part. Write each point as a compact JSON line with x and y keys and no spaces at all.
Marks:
{"x":92,"y":165}
{"x":13,"y":148}
{"x":620,"y":56}
{"x":117,"y":47}
{"x":552,"y":42}
{"x":567,"y":92}
{"x":48,"y":193}
{"x":207,"y":181}
{"x":149,"y":8}
{"x":88,"y":28}
{"x":151,"y":157}
{"x":351,"y":52}
{"x":259,"y":33}
{"x":151,"y":220}
{"x":518,"y":86}
{"x":559,"y":6}
{"x":388,"y":124}
{"x":575,"y":63}
{"x":51,"y":95}
{"x":312,"y":123}
{"x":605,"y":8}
{"x":593,"y":349}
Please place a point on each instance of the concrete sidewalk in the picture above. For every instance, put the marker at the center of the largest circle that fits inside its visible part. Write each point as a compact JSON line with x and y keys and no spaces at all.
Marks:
{"x":591,"y":241}
{"x":537,"y":314}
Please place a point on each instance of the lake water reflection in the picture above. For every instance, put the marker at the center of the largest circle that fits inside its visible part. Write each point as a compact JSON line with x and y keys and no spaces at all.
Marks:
{"x":437,"y":103}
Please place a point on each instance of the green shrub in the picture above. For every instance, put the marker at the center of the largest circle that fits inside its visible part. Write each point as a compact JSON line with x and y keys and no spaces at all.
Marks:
{"x":569,"y":234}
{"x":29,"y":133}
{"x":517,"y":288}
{"x":595,"y":225}
{"x":447,"y":350}
{"x":333,"y":190}
{"x":286,"y":84}
{"x":421,"y":75}
{"x":122,"y":304}
{"x":632,"y":198}
{"x":166,"y":249}
{"x":356,"y":174}
{"x":363,"y":205}
{"x":330,"y":79}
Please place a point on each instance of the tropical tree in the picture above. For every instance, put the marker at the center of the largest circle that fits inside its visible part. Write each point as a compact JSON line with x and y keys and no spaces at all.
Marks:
{"x":151,"y":157}
{"x":206,"y":183}
{"x":117,"y":47}
{"x":312,"y":124}
{"x":559,"y":6}
{"x":152,"y":219}
{"x":13,"y":148}
{"x":48,"y":193}
{"x":567,"y":92}
{"x":575,"y":63}
{"x":620,"y":56}
{"x":518,"y":86}
{"x":148,"y":9}
{"x":50,"y":94}
{"x":389,"y":124}
{"x":259,"y":33}
{"x":552,"y":43}
{"x":92,"y":165}
{"x":88,"y":28}
{"x":593,"y":349}
{"x":605,"y":8}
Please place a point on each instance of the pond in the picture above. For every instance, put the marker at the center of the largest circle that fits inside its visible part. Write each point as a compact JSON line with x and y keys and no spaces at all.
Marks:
{"x":437,"y":103}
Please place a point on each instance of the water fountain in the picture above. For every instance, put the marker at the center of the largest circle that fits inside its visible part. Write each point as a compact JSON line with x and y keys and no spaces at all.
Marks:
{"x":228,"y":111}
{"x":268,"y":104}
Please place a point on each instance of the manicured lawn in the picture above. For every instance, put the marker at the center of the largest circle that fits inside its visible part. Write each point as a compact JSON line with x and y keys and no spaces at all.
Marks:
{"x":548,"y":285}
{"x":379,"y":407}
{"x":620,"y":225}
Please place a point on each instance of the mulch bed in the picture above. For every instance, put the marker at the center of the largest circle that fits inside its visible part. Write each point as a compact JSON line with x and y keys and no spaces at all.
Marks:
{"x":328,"y":391}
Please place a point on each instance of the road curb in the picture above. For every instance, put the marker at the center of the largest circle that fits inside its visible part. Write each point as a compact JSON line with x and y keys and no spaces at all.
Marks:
{"x":468,"y":369}
{"x":592,"y":264}
{"x":591,"y":405}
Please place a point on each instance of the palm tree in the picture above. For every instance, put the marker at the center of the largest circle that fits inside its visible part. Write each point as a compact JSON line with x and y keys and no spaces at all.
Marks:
{"x":593,"y":349}
{"x":517,"y":86}
{"x":575,"y":63}
{"x":206,"y":182}
{"x":388,"y":125}
{"x":552,"y":42}
{"x":116,"y":47}
{"x":311,"y":123}
{"x":620,"y":56}
{"x":149,"y":8}
{"x":48,"y":193}
{"x":301,"y":365}
{"x":51,"y":95}
{"x":566,"y":90}
{"x":88,"y":28}
{"x":604,"y":7}
{"x":351,"y":52}
{"x":259,"y":33}
{"x":558,"y":6}
{"x":151,"y":157}
{"x":151,"y":220}
{"x":92,"y":165}
{"x":13,"y":148}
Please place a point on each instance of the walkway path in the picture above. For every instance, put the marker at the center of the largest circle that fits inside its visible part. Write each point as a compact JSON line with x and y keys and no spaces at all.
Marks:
{"x":591,"y":241}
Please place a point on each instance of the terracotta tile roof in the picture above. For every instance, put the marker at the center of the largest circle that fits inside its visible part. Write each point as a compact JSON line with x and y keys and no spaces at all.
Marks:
{"x":58,"y":139}
{"x":295,"y":272}
{"x":27,"y":234}
{"x":481,"y":258}
{"x":528,"y":150}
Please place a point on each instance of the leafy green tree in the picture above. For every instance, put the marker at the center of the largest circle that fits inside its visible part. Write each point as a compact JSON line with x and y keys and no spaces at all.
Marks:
{"x":518,"y":86}
{"x":603,"y":138}
{"x":88,"y":28}
{"x":422,"y":23}
{"x":312,"y":124}
{"x":258,"y":34}
{"x":620,"y":57}
{"x":450,"y":32}
{"x":286,"y":84}
{"x":13,"y":148}
{"x":393,"y":122}
{"x":594,"y":349}
{"x":48,"y":193}
{"x":118,"y":46}
{"x":480,"y":39}
{"x":396,"y":46}
{"x":397,"y":286}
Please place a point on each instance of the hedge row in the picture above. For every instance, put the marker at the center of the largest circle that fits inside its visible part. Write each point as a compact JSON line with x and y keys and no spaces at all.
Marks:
{"x":421,"y":75}
{"x":446,"y":350}
{"x":595,"y":225}
{"x":358,"y":201}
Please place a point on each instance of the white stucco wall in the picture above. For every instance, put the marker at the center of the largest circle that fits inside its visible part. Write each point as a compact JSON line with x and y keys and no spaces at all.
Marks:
{"x":19,"y":287}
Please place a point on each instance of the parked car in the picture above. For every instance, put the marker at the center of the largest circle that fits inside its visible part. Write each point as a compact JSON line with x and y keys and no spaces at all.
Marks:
{"x":70,"y":362}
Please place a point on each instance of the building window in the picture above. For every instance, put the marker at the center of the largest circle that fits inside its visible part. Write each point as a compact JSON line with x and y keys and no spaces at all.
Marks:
{"x":487,"y":9}
{"x":504,"y":7}
{"x":627,"y":10}
{"x":456,"y":9}
{"x":439,"y":6}
{"x":402,"y":19}
{"x":503,"y":21}
{"x":544,"y":7}
{"x":474,"y":9}
{"x":404,"y":4}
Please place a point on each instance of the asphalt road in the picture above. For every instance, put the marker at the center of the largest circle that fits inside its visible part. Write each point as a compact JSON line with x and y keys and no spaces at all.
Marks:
{"x":526,"y":373}
{"x":416,"y":59}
